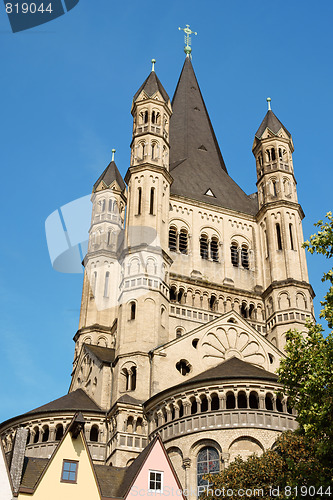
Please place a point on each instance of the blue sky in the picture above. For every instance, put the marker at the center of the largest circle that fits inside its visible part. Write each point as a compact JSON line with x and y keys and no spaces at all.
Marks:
{"x":66,"y":91}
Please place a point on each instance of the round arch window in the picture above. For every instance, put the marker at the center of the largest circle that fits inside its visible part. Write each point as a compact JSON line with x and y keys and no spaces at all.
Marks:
{"x":207,"y":463}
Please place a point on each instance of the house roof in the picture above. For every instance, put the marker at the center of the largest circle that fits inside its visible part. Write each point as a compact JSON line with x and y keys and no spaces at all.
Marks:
{"x":234,"y":368}
{"x":32,"y":470}
{"x":152,"y":85}
{"x":104,"y":354}
{"x":196,"y":162}
{"x":273,"y":123}
{"x":73,"y":401}
{"x":126,"y":398}
{"x":110,"y":174}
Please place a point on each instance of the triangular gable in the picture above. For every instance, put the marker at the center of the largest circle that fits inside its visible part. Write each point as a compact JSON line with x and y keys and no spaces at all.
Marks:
{"x":6,"y":488}
{"x":156,"y":460}
{"x":210,"y":344}
{"x":73,"y":449}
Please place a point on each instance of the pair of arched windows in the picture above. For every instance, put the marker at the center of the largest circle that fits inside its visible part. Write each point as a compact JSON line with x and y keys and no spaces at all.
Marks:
{"x":209,"y":249}
{"x":129,"y":375}
{"x":244,"y":255}
{"x":151,"y":201}
{"x":178,"y":242}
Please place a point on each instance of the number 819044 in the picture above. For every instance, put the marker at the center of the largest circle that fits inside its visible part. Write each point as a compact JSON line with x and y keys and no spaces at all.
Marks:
{"x":27,"y":8}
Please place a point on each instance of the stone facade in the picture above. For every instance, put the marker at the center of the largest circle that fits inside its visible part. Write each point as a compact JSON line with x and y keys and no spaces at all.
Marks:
{"x":186,"y":300}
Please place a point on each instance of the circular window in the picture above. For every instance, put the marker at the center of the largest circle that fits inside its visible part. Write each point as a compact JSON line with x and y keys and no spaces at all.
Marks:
{"x":184,"y":367}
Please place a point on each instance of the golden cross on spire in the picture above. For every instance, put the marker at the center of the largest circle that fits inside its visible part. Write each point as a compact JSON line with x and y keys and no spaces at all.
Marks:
{"x":187,"y":39}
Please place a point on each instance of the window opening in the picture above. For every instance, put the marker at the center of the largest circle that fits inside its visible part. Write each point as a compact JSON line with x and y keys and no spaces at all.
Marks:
{"x":155,"y":481}
{"x":106,"y":284}
{"x":215,"y":405}
{"x":241,"y":400}
{"x":69,"y":471}
{"x":59,"y":432}
{"x":173,"y":239}
{"x":273,"y":154}
{"x":234,"y":254}
{"x":94,"y":433}
{"x":204,"y":247}
{"x":245,"y":257}
{"x":152,"y":194}
{"x":291,"y":236}
{"x":46,"y":433}
{"x":214,"y":250}
{"x":212,"y":303}
{"x":133,"y":379}
{"x":183,"y":367}
{"x":139,"y":200}
{"x":207,"y":463}
{"x":253,"y":400}
{"x":278,"y":236}
{"x":133,"y":310}
{"x":173,"y":296}
{"x":146,"y":116}
{"x":269,"y":402}
{"x":183,"y":241}
{"x":231,"y":402}
{"x":274,"y":188}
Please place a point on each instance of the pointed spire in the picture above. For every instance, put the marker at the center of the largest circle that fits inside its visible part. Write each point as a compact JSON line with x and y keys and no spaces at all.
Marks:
{"x":196,"y":162}
{"x":152,"y":85}
{"x":110,"y":174}
{"x":272,"y":122}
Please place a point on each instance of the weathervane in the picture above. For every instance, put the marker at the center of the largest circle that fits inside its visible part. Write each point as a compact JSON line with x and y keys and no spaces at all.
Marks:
{"x":187,"y":39}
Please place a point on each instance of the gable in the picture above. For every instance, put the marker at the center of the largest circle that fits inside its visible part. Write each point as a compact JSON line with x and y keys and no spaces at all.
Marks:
{"x":50,"y":485}
{"x":156,"y":461}
{"x":208,"y":346}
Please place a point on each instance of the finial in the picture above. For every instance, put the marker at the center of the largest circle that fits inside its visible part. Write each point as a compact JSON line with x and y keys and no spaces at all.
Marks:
{"x":153,"y":62}
{"x":269,"y":103}
{"x":113,"y":152}
{"x":187,"y":39}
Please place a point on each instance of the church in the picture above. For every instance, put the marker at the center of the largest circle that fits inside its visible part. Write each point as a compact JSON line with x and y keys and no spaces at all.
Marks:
{"x":189,"y":287}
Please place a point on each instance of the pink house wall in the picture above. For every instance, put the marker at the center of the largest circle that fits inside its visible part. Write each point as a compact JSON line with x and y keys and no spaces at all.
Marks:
{"x":156,"y":461}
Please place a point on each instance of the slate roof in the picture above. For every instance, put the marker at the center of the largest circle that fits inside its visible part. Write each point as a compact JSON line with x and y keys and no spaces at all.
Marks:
{"x":152,"y":85}
{"x":76,"y":400}
{"x":32,"y":470}
{"x":126,"y":398}
{"x":196,"y":162}
{"x":236,"y":369}
{"x":104,"y":354}
{"x":110,"y":174}
{"x":273,"y":123}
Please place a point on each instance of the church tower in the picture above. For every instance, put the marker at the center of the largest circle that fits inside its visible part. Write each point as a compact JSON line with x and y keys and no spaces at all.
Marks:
{"x":280,"y":219}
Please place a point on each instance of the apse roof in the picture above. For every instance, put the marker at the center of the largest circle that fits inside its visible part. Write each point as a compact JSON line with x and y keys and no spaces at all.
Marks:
{"x":76,"y":400}
{"x":196,"y":162}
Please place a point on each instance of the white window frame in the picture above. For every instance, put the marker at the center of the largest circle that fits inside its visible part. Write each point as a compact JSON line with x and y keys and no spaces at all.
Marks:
{"x":155,"y":472}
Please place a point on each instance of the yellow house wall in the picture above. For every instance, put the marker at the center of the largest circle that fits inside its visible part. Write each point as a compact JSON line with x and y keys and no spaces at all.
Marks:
{"x":51,"y":488}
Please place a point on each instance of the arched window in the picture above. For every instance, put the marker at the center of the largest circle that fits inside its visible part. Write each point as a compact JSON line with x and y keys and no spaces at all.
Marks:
{"x":139,"y":200}
{"x":231,"y":402}
{"x":291,"y":236}
{"x":214,"y":249}
{"x":273,"y":154}
{"x":243,"y":310}
{"x":103,"y":206}
{"x":151,"y":205}
{"x":133,"y":378}
{"x":279,"y":406}
{"x":278,"y":236}
{"x":268,"y":154}
{"x":194,"y":406}
{"x":153,"y":149}
{"x":173,"y":239}
{"x":36,"y":436}
{"x":245,"y":257}
{"x":146,"y":117}
{"x":204,"y":246}
{"x":110,"y":205}
{"x":181,"y":409}
{"x":280,"y":154}
{"x":269,"y":402}
{"x":139,"y":426}
{"x":208,"y":462}
{"x":94,"y":433}
{"x":183,"y":238}
{"x":178,"y":333}
{"x":212,"y":303}
{"x":254,"y":400}
{"x":153,"y":117}
{"x":109,"y":237}
{"x":46,"y":434}
{"x":274,"y":188}
{"x":94,"y":282}
{"x":59,"y":432}
{"x":133,"y":310}
{"x":234,"y":254}
{"x":173,"y":294}
{"x":106,"y":284}
{"x":241,"y":400}
{"x":215,"y":404}
{"x":204,"y":404}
